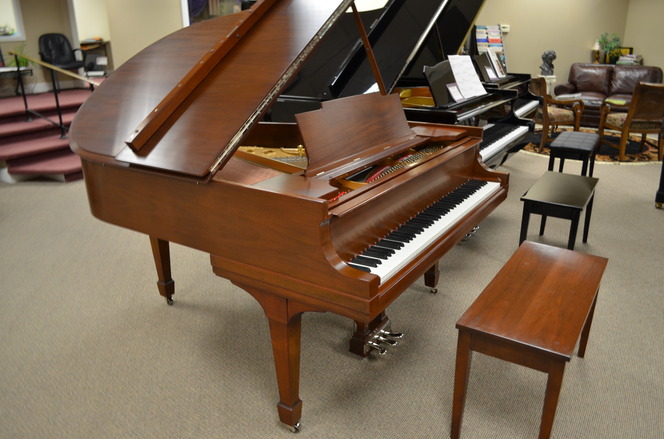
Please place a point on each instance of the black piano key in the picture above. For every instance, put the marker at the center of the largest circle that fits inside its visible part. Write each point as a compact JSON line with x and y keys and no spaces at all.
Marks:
{"x":395,"y":236}
{"x":387,"y":243}
{"x":377,"y":252}
{"x":361,"y":267}
{"x":415,"y":225}
{"x":369,"y":262}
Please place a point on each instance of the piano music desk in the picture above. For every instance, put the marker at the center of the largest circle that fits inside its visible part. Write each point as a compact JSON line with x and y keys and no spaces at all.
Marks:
{"x":561,"y":196}
{"x":532,"y":313}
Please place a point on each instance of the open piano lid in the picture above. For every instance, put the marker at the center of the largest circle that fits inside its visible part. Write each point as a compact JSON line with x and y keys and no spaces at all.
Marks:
{"x":257,"y":52}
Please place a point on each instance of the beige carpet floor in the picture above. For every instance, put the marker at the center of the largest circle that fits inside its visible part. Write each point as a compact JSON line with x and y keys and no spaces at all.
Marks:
{"x":88,"y":349}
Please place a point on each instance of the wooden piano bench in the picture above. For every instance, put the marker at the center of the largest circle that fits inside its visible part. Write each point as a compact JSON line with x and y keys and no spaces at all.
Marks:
{"x":577,"y":146}
{"x":532,"y":313}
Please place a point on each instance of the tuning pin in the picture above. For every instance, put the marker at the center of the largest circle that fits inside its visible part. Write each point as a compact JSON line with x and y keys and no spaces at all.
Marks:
{"x":378,"y":348}
{"x":384,"y":333}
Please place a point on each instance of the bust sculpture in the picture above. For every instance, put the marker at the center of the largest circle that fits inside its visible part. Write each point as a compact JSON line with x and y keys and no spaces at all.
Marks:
{"x":547,"y":63}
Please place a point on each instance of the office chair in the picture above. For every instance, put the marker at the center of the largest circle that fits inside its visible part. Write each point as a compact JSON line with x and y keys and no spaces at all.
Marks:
{"x":56,"y":50}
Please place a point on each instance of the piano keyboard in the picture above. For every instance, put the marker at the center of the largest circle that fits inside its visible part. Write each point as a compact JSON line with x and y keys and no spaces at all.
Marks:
{"x":397,"y":248}
{"x":525,"y":108}
{"x":497,"y":137}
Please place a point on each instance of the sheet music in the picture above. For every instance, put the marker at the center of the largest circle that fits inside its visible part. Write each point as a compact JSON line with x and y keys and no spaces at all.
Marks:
{"x":466,"y":77}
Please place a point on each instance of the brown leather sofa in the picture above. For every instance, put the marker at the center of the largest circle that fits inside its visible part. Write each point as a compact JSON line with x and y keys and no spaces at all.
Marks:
{"x":597,"y":82}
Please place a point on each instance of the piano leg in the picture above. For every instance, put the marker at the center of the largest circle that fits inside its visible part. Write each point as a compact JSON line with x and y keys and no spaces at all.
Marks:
{"x":162,"y":260}
{"x":431,"y":278}
{"x":285,"y":319}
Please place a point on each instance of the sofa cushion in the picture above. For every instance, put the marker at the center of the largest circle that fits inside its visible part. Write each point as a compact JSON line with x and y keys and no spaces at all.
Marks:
{"x":591,"y":77}
{"x":625,"y":78}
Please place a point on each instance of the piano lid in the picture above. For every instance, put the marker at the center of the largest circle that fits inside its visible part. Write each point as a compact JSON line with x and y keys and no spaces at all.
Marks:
{"x":203,"y":127}
{"x":405,"y":36}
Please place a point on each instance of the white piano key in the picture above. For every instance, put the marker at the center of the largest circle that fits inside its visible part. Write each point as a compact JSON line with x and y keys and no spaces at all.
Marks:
{"x":503,"y":142}
{"x":410,"y":250}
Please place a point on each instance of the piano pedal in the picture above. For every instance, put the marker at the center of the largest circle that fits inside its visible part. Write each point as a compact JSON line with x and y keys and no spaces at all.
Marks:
{"x":376,"y":347}
{"x":384,"y":333}
{"x":470,"y":234}
{"x":383,"y":337}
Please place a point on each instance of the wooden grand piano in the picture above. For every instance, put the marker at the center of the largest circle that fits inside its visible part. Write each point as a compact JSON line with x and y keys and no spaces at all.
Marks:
{"x":377,"y":203}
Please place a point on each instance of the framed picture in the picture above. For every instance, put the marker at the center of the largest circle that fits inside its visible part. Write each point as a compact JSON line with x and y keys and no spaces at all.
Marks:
{"x":626,"y":50}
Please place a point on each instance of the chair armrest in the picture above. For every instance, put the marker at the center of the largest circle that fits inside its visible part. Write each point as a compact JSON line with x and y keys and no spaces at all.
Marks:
{"x":564,"y":89}
{"x":83,"y":54}
{"x":567,"y":103}
{"x":604,"y":111}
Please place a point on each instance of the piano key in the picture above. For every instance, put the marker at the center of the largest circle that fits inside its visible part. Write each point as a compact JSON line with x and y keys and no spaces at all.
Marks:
{"x":498,"y":137}
{"x":525,"y":108}
{"x":468,"y":196}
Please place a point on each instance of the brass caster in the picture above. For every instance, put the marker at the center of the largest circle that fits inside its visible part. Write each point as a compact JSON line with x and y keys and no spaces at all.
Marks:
{"x":433,"y":290}
{"x":294,"y":428}
{"x":169,"y":300}
{"x":658,"y":205}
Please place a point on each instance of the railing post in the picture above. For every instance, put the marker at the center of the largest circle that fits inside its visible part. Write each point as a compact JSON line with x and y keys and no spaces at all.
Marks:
{"x":56,"y":91}
{"x":22,"y":87}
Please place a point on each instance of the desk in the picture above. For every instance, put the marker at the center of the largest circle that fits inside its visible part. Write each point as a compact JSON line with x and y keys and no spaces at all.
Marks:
{"x":561,"y":196}
{"x":532,"y":314}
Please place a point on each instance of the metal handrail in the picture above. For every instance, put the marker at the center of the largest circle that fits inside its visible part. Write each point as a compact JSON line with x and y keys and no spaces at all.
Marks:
{"x":52,"y":69}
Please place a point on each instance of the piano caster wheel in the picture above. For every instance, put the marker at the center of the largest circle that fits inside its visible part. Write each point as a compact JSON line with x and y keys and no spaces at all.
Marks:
{"x":433,"y":290}
{"x":294,"y":428}
{"x":658,"y":205}
{"x":169,"y":300}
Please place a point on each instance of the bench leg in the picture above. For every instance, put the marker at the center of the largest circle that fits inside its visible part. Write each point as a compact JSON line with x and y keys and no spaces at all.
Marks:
{"x":542,"y":225}
{"x":525,"y":219}
{"x":586,"y":329}
{"x":573,"y":228}
{"x":553,"y":386}
{"x":584,"y":165}
{"x":586,"y":224}
{"x":461,"y":373}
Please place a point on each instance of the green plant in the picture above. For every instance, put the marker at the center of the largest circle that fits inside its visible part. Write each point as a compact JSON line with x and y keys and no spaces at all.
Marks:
{"x":22,"y":62}
{"x":610,"y":44}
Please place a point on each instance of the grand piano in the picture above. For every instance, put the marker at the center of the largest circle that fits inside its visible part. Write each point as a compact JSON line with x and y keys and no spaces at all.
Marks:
{"x":379,"y":200}
{"x":407,"y":36}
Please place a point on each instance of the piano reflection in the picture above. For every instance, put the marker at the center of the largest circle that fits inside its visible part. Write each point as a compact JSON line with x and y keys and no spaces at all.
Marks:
{"x":373,"y":202}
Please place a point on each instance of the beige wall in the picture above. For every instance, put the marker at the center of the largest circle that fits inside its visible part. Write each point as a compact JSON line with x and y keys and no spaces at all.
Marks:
{"x":135,"y":25}
{"x":570,"y":27}
{"x":91,"y":19}
{"x":644,"y":30}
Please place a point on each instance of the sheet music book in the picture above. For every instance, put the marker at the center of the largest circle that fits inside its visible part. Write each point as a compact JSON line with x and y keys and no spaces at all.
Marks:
{"x":467,"y":81}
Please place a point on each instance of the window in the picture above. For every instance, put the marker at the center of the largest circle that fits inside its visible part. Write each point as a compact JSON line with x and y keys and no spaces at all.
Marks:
{"x":11,"y":21}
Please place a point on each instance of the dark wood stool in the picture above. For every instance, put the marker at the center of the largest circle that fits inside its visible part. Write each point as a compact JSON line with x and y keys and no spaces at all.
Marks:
{"x":532,"y":314}
{"x":577,"y":146}
{"x":561,"y":196}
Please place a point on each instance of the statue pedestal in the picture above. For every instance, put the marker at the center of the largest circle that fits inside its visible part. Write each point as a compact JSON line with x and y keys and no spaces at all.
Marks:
{"x":550,"y":83}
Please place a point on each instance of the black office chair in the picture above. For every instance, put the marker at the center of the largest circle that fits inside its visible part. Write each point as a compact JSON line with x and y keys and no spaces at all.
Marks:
{"x":55,"y":49}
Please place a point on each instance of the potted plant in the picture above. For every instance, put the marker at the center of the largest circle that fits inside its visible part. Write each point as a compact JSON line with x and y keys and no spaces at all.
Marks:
{"x":611,"y":45}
